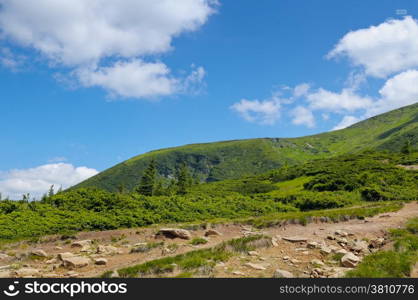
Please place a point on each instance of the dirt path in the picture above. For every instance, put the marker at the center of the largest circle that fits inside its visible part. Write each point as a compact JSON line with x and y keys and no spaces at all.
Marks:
{"x":116,"y":248}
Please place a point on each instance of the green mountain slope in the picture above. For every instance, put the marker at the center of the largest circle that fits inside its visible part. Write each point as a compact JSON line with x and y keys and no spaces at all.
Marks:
{"x":235,"y":159}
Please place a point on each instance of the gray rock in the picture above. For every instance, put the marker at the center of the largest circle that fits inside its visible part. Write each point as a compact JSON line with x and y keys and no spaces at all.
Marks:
{"x":76,"y":262}
{"x":282,"y":274}
{"x":210,"y":232}
{"x":39,"y":252}
{"x":100,"y":261}
{"x":255,"y":266}
{"x":295,"y":239}
{"x":175,"y":233}
{"x":350,"y":260}
{"x":81,"y":244}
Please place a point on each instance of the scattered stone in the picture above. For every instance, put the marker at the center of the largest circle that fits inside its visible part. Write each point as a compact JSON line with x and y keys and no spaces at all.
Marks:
{"x":274,"y":242}
{"x":175,"y":233}
{"x":377,"y":243}
{"x":300,"y":249}
{"x":255,"y":266}
{"x":295,"y":239}
{"x":210,"y":232}
{"x":101,"y":249}
{"x":282,"y":274}
{"x":317,"y":262}
{"x":341,"y":233}
{"x":76,"y":262}
{"x":330,"y":237}
{"x":62,"y":256}
{"x":343,"y":241}
{"x":342,"y":251}
{"x":253,"y":253}
{"x":350,"y":260}
{"x":305,"y":252}
{"x":27,"y":272}
{"x":81,"y":244}
{"x":57,"y":248}
{"x":238,"y":273}
{"x":286,"y":258}
{"x":325,"y":250}
{"x":294,"y":261}
{"x":51,"y":261}
{"x":313,"y":245}
{"x":360,"y":246}
{"x":333,"y":248}
{"x":39,"y":252}
{"x":100,"y":261}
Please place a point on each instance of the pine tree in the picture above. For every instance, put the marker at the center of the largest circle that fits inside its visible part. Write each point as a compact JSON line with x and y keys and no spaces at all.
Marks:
{"x":51,"y":191}
{"x":183,"y":178}
{"x":147,"y":183}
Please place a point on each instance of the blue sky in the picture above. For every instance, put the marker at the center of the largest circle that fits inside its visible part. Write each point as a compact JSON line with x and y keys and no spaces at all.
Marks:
{"x":77,"y":101}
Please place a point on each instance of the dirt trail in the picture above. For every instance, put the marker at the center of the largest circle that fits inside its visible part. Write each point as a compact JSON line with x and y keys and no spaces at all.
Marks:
{"x":292,"y":257}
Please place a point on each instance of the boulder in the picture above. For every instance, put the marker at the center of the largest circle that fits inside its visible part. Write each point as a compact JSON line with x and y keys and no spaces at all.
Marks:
{"x":76,"y":262}
{"x":350,"y":260}
{"x":39,"y":252}
{"x":175,"y":233}
{"x":81,"y":244}
{"x":101,"y":249}
{"x":100,"y":261}
{"x":210,"y":232}
{"x":295,"y":239}
{"x":64,"y":255}
{"x":360,"y":246}
{"x":282,"y":274}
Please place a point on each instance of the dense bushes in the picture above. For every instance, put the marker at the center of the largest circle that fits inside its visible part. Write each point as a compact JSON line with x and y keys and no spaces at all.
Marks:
{"x":321,"y":184}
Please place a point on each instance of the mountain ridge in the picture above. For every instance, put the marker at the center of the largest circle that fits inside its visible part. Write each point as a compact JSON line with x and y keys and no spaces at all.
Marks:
{"x":237,"y":158}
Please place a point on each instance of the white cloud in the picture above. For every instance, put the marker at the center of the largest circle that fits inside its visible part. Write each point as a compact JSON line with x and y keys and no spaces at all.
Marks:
{"x":83,"y":35}
{"x":382,"y":50}
{"x":265,"y":112}
{"x":347,"y":121}
{"x":398,"y":91}
{"x":301,"y":90}
{"x":346,"y":100}
{"x":133,"y":79}
{"x":303,"y":116}
{"x":37,"y":181}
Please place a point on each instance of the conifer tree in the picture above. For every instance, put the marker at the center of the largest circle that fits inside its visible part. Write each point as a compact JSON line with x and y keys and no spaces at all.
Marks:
{"x":147,"y":183}
{"x":183,"y":179}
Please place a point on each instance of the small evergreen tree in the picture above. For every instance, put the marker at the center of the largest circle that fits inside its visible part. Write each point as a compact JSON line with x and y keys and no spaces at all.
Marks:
{"x":51,"y":191}
{"x":147,"y":183}
{"x":183,"y":178}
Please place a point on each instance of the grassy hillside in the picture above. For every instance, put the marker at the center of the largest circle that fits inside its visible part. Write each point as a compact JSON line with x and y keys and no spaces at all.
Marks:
{"x":235,"y":159}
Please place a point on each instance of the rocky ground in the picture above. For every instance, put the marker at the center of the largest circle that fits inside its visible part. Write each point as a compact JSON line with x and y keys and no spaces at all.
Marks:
{"x":316,"y":250}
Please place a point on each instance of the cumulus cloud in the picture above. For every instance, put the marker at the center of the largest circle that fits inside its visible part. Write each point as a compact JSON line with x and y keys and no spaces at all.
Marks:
{"x":37,"y":181}
{"x":82,"y":35}
{"x":382,"y":50}
{"x":264,"y":112}
{"x":346,"y":122}
{"x":346,"y":100}
{"x":398,"y":91}
{"x":303,"y":116}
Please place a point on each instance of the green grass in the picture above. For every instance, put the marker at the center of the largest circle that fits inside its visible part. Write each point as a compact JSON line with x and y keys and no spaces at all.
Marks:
{"x":396,"y":263}
{"x":198,"y":241}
